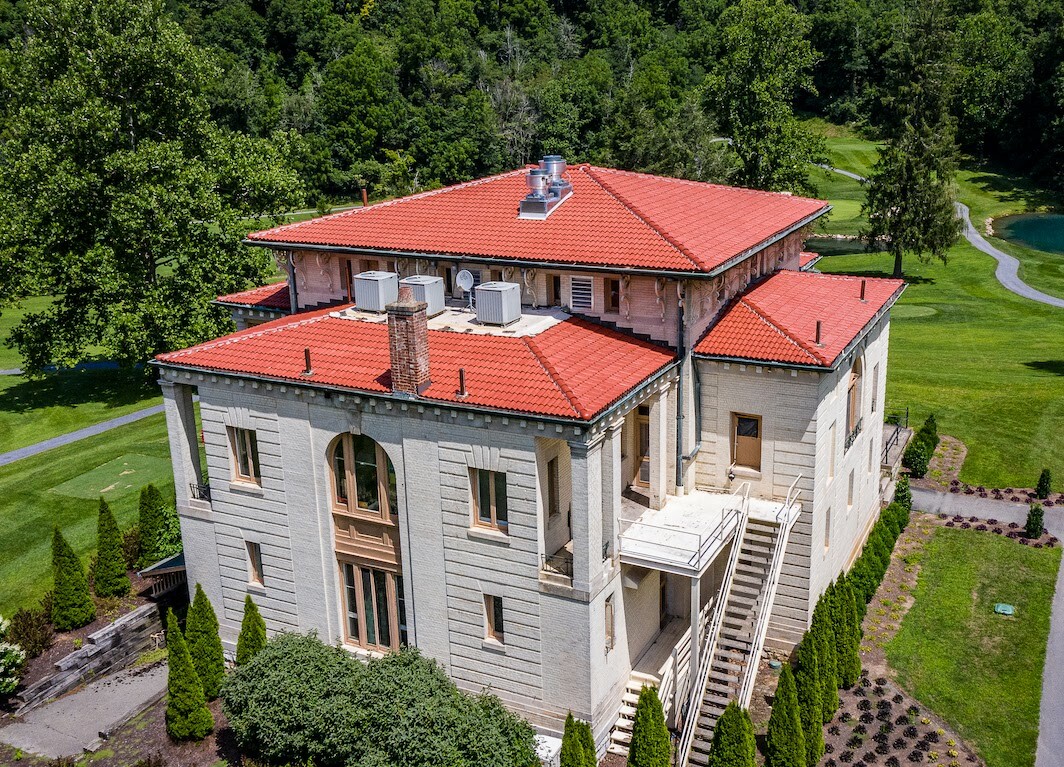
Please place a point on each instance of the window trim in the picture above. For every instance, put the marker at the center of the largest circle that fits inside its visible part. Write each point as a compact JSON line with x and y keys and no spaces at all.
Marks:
{"x":246,"y":438}
{"x":492,"y":522}
{"x":385,"y":477}
{"x":253,"y":550}
{"x":610,"y":617}
{"x":735,"y":440}
{"x":397,"y":624}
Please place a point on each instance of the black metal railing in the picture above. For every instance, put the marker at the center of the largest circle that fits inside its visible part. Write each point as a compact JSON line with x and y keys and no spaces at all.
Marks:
{"x":852,"y":436}
{"x":200,"y":492}
{"x":560,"y":563}
{"x":896,"y":419}
{"x":606,"y":551}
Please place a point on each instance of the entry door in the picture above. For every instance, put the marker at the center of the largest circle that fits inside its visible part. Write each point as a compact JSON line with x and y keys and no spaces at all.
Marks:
{"x":643,"y":424}
{"x":747,"y":441}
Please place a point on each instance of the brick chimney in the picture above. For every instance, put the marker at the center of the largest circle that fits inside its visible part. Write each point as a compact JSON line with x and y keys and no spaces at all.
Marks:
{"x":408,"y":343}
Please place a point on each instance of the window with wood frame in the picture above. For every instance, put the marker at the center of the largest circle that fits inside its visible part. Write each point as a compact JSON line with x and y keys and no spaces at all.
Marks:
{"x":495,"y":626}
{"x":611,"y":290}
{"x":853,"y":401}
{"x":746,"y":441}
{"x":609,"y":619}
{"x":489,"y":499}
{"x":827,"y":529}
{"x":554,"y":491}
{"x":244,"y":446}
{"x":363,"y":478}
{"x":374,"y":607}
{"x":254,"y":562}
{"x":849,"y":491}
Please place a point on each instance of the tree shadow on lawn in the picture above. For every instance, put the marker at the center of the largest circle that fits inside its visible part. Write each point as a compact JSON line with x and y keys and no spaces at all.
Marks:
{"x":881,"y":273}
{"x":69,"y":388}
{"x":1009,"y":187}
{"x":1056,"y":367}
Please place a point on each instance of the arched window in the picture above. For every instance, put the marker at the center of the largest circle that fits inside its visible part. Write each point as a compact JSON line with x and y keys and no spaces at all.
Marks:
{"x":853,"y":403}
{"x":363,"y":478}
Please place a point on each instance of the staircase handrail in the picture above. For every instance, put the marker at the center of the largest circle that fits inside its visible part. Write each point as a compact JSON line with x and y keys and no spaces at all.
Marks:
{"x":709,"y":646}
{"x":768,"y":593}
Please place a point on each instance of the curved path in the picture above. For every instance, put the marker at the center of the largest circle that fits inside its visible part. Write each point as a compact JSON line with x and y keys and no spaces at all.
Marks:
{"x":74,"y":436}
{"x":1007,"y":272}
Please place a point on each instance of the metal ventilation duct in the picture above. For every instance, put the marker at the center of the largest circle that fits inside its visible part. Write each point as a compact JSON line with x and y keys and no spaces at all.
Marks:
{"x":547,"y":186}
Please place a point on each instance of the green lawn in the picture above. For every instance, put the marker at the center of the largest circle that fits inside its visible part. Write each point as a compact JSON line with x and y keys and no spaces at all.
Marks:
{"x":981,"y":672}
{"x":62,"y":487}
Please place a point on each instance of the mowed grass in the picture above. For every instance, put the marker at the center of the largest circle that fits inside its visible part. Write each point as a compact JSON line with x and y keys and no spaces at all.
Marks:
{"x":980,"y":671}
{"x":62,"y":487}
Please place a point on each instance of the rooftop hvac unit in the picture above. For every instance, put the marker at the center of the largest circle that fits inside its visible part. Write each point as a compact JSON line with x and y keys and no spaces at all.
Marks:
{"x":375,"y":290}
{"x":498,"y":303}
{"x":427,"y":289}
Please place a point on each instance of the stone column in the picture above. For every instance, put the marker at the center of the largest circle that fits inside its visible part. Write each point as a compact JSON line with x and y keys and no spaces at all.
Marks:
{"x":611,"y":485}
{"x":184,"y":439}
{"x":586,"y":464}
{"x":659,"y":448}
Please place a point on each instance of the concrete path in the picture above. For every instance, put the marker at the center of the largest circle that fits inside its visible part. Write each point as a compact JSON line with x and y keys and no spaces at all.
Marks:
{"x":1007,"y":272}
{"x":92,"y":365}
{"x":1050,"y":751}
{"x":74,"y":436}
{"x":69,"y":725}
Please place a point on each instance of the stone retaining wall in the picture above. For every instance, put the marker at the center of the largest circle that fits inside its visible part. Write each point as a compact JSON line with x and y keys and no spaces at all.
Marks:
{"x":109,"y":649}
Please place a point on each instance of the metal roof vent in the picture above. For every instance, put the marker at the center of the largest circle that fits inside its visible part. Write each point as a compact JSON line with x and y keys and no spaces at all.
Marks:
{"x":547,"y":188}
{"x":498,"y":303}
{"x":375,"y":290}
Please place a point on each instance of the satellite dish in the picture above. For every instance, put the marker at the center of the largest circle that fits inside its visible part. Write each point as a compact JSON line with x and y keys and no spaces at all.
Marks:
{"x":465,"y":280}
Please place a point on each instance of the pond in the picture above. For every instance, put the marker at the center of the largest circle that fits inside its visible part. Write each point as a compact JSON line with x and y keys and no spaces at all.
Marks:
{"x":1041,"y":231}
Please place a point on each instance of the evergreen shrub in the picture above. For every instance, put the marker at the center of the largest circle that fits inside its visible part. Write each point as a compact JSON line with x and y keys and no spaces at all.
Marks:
{"x":1035,"y":521}
{"x":252,"y":637}
{"x":72,"y":605}
{"x":733,"y":739}
{"x":109,"y":573}
{"x":204,"y":644}
{"x":187,"y":715}
{"x":785,"y":742}
{"x":1044,"y":486}
{"x":916,"y":458}
{"x":650,"y":746}
{"x":31,"y":629}
{"x":809,"y":687}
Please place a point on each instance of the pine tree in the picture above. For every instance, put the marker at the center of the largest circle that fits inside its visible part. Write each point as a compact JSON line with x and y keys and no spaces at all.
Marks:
{"x":204,"y":644}
{"x":252,"y":637}
{"x":1035,"y":520}
{"x":72,"y":605}
{"x":587,"y":743}
{"x":785,"y":742}
{"x":110,"y":579}
{"x":650,"y":738}
{"x":824,"y":639}
{"x":1045,"y":485}
{"x":187,"y":715}
{"x":903,"y":494}
{"x":572,"y":753}
{"x":848,"y":635}
{"x":810,"y":709}
{"x":733,"y":739}
{"x":149,"y":523}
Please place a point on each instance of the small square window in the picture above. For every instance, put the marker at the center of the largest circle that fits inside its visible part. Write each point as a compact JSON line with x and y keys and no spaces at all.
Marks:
{"x":493,"y":615}
{"x":245,"y":450}
{"x":254,"y":563}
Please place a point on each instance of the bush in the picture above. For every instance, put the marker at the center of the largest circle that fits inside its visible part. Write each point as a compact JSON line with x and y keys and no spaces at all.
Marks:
{"x":587,"y":740}
{"x":928,"y":434}
{"x":916,"y":458}
{"x":824,"y":641}
{"x":159,"y":526}
{"x":650,"y":746}
{"x":131,"y":547}
{"x":808,"y":685}
{"x":733,"y":739}
{"x":252,"y":637}
{"x":848,"y":635}
{"x":187,"y":715}
{"x":1035,"y":520}
{"x":31,"y":629}
{"x":1043,"y":488}
{"x":109,"y":574}
{"x":578,"y":744}
{"x":12,"y":658}
{"x":72,"y":605}
{"x":785,"y":742}
{"x":300,"y":701}
{"x":204,"y":644}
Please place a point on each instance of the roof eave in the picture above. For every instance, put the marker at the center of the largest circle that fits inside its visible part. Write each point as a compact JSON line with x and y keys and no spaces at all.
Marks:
{"x":753,"y":250}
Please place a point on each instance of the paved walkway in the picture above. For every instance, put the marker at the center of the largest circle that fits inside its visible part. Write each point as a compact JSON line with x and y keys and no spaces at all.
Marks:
{"x":1051,"y":720}
{"x":69,"y":725}
{"x":74,"y":436}
{"x":1007,"y":272}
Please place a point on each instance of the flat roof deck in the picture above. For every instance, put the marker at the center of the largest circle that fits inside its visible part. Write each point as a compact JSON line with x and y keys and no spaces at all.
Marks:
{"x":690,"y":531}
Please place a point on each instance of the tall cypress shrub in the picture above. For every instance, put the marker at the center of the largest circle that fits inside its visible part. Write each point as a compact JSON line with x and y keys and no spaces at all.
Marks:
{"x":587,"y":742}
{"x":149,"y":523}
{"x":110,"y":579}
{"x":187,"y":715}
{"x":204,"y":644}
{"x":1045,"y":484}
{"x":903,"y":494}
{"x":824,"y":641}
{"x":733,"y":739}
{"x":650,"y":738}
{"x":1035,"y":520}
{"x":848,"y":636}
{"x":808,"y":685}
{"x":572,"y":753}
{"x":252,"y":637}
{"x":72,"y":605}
{"x":785,"y":742}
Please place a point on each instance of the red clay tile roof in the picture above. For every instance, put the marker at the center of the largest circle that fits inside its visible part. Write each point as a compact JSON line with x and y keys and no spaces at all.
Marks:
{"x":274,"y":296}
{"x":776,"y":320}
{"x":613,"y":218}
{"x":806,"y":259}
{"x":574,"y":369}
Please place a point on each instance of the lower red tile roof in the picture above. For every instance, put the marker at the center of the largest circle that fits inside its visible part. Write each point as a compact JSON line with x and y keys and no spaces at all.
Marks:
{"x":273,"y":296}
{"x":806,"y":259}
{"x":574,"y":369}
{"x":776,"y":320}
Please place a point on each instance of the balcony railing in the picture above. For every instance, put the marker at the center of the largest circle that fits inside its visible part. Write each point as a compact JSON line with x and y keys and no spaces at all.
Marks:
{"x":607,"y":551}
{"x":559,"y":563}
{"x":852,"y":436}
{"x":200,"y":492}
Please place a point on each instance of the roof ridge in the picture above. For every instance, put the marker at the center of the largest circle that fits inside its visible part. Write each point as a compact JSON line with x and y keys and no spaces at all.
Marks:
{"x":555,"y":376}
{"x":392,"y":201}
{"x":589,"y":170}
{"x":763,"y":316}
{"x":692,"y":182}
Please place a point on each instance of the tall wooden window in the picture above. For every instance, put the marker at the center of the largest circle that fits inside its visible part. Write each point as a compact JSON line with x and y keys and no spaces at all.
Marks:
{"x":827,"y":529}
{"x":495,"y":627}
{"x":489,"y":499}
{"x":612,"y":292}
{"x":609,"y":619}
{"x":363,"y":478}
{"x":374,"y":606}
{"x":554,"y":502}
{"x":853,"y":401}
{"x":254,"y":563}
{"x":642,"y":422}
{"x":245,"y":452}
{"x":746,"y":441}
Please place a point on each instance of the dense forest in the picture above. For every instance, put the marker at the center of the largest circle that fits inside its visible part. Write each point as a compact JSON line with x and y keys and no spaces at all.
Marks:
{"x":407,"y":94}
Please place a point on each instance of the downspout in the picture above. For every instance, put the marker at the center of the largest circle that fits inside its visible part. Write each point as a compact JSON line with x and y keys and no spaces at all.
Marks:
{"x":680,"y":404}
{"x":293,"y":291}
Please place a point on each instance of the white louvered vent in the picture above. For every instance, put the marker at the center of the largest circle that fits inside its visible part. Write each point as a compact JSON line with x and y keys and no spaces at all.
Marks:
{"x":580,"y":288}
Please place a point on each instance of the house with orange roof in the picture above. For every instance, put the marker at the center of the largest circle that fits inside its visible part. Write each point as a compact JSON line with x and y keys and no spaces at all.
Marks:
{"x":567,"y":430}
